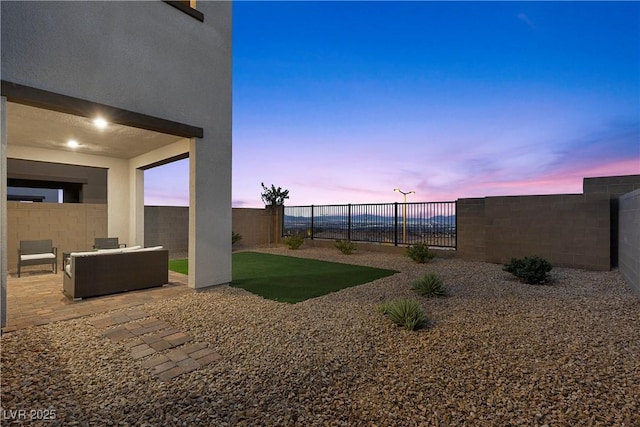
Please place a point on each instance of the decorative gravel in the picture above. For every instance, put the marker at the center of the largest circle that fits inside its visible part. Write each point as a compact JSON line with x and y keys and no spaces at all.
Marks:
{"x":495,"y":352}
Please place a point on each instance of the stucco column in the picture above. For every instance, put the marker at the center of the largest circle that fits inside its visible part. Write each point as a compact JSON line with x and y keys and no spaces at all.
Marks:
{"x":3,"y":210}
{"x":136,"y":202}
{"x":119,"y":206}
{"x":210,"y":210}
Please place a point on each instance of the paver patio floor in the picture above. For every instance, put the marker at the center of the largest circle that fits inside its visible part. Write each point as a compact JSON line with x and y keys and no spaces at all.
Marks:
{"x":36,"y":298}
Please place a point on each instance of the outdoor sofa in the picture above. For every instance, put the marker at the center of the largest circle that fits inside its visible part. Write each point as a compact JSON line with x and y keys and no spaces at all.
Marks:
{"x":110,"y":271}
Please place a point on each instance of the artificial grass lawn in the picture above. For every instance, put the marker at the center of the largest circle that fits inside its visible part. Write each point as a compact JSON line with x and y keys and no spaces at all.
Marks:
{"x":290,"y":279}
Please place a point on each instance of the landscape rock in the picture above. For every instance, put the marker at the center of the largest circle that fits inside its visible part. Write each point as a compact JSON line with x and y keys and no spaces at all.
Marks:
{"x":496,"y":352}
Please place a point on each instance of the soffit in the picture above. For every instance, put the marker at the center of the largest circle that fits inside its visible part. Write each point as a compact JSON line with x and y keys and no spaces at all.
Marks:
{"x":40,"y":128}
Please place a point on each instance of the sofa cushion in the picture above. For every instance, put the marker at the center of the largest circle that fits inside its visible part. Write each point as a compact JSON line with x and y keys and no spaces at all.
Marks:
{"x":88,"y":253}
{"x":151,"y":248}
{"x":67,"y":268}
{"x":47,"y":255}
{"x":109,"y":251}
{"x":131,"y":248}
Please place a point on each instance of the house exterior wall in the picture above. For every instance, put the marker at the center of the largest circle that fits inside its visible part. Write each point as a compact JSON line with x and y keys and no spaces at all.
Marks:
{"x":149,"y":58}
{"x":629,"y":239}
{"x":570,"y":230}
{"x":3,"y":211}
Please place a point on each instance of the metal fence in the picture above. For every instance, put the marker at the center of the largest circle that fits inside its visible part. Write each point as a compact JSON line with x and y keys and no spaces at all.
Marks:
{"x":433,"y":223}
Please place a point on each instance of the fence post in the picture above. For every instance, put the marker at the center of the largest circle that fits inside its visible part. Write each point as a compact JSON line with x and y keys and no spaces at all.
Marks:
{"x":349,"y":222}
{"x":395,"y":224}
{"x":312,"y":230}
{"x":455,"y":242}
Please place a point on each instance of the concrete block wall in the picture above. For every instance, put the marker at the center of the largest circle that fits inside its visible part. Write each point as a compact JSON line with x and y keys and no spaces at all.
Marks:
{"x":471,"y":228}
{"x":167,"y":226}
{"x":629,"y":239}
{"x":71,"y":226}
{"x":568,"y":230}
{"x":258,"y":227}
{"x":614,"y":187}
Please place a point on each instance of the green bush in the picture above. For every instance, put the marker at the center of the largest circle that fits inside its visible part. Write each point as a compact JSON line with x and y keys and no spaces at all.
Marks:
{"x":429,"y":285}
{"x":235,"y":237}
{"x":420,"y":253}
{"x":531,"y":269}
{"x":403,"y":312}
{"x":295,"y":241}
{"x":347,"y":247}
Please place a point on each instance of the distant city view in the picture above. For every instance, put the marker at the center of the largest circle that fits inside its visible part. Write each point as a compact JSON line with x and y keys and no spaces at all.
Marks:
{"x":431,"y":223}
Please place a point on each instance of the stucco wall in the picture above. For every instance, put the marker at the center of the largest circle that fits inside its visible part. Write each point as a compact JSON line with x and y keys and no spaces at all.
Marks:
{"x":149,"y":58}
{"x":71,"y":226}
{"x":568,"y":230}
{"x":629,"y":239}
{"x":141,"y":56}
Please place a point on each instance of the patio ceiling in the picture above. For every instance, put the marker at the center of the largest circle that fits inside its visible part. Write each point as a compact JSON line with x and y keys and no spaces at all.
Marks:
{"x":41,"y":128}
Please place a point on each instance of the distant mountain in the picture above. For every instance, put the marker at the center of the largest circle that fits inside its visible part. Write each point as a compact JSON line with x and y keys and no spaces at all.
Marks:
{"x":438,"y":219}
{"x":444,"y":219}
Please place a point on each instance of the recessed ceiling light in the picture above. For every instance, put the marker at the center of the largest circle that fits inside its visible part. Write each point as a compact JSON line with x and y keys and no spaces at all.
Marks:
{"x":100,"y":123}
{"x":73,"y":143}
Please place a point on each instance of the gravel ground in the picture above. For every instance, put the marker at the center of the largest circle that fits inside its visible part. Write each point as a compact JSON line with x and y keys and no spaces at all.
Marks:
{"x":496,"y":352}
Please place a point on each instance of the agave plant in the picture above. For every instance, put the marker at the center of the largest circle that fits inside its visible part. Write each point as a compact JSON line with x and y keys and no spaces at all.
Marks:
{"x":430,"y":285}
{"x":404,"y":312}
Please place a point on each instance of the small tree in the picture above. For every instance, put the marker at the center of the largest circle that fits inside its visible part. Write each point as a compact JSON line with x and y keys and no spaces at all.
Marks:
{"x":274,"y":196}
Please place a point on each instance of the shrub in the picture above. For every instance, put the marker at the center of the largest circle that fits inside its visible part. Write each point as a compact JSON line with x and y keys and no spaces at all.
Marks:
{"x":420,"y":253}
{"x":429,"y":285}
{"x":347,"y":247}
{"x":404,"y":312}
{"x":235,"y":237}
{"x":295,"y":241}
{"x":531,"y":269}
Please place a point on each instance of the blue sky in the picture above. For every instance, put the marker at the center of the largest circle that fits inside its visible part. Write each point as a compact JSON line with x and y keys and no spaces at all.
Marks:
{"x":341,"y":102}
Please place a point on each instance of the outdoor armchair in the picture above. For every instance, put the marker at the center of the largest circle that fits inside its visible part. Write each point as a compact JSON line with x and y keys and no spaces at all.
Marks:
{"x":107,"y":243}
{"x":37,"y":252}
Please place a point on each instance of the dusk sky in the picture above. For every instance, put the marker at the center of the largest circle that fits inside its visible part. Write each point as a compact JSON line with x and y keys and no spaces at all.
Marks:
{"x":341,"y":102}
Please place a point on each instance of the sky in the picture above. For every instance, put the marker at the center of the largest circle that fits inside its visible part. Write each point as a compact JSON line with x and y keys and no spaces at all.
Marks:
{"x":341,"y":102}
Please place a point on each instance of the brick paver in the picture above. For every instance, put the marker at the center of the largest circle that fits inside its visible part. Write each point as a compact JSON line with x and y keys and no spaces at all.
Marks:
{"x":37,"y":299}
{"x":160,"y":347}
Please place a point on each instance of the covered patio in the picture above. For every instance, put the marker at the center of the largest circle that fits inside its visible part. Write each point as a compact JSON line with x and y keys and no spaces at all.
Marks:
{"x":36,"y":299}
{"x":121,"y":104}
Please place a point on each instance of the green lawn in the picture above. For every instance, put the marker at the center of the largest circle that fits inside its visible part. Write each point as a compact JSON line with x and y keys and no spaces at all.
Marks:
{"x":291,"y":279}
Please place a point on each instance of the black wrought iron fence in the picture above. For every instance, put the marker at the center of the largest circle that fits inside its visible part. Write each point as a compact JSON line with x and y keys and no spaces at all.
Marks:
{"x":433,"y":223}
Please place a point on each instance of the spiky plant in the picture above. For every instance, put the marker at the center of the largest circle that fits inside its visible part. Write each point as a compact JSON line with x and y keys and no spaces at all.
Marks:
{"x":403,"y":312}
{"x":429,"y":285}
